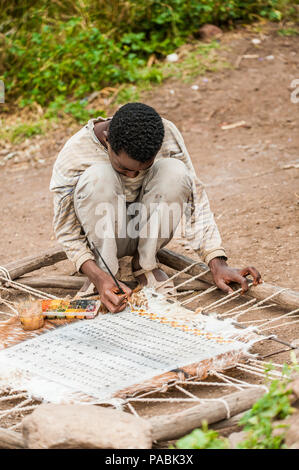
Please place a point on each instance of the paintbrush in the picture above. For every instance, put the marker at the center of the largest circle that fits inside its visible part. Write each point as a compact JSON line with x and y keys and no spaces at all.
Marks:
{"x":108,"y":269}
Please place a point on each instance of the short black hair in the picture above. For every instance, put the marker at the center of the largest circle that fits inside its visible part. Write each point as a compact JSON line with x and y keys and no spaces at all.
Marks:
{"x":138,"y":130}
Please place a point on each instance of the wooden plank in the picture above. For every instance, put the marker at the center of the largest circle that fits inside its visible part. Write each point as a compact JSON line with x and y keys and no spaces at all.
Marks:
{"x":288,"y":299}
{"x":176,"y":425}
{"x":32,"y":263}
{"x":76,"y":282}
{"x":11,"y":439}
{"x":59,"y":282}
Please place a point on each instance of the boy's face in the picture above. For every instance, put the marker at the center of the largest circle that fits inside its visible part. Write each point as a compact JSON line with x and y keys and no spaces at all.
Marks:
{"x":126,"y":165}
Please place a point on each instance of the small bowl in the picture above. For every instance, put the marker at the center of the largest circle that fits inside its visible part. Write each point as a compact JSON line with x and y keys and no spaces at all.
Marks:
{"x":30,"y":315}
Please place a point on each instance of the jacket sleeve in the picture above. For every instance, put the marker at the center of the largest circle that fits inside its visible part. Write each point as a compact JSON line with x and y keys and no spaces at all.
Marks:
{"x":67,"y":229}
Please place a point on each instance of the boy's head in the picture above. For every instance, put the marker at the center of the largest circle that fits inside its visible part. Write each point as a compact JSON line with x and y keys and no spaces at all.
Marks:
{"x":134,"y":138}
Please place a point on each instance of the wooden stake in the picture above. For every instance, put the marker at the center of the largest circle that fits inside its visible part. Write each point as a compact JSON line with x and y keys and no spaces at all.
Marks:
{"x":31,"y":263}
{"x":167,"y":427}
{"x":76,"y":282}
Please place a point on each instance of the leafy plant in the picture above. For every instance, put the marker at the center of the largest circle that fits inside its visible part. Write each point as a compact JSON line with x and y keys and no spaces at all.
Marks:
{"x":22,"y":131}
{"x":55,"y":52}
{"x":288,"y":32}
{"x":273,"y":405}
{"x":202,"y":439}
{"x":258,"y":421}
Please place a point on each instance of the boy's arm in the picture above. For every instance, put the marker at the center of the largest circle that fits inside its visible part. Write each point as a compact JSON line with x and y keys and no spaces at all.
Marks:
{"x":68,"y":230}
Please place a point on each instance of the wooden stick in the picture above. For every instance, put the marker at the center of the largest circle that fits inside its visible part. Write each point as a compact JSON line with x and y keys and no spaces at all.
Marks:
{"x":76,"y":282}
{"x":228,"y":423}
{"x":11,"y":439}
{"x":288,"y":299}
{"x":60,"y":282}
{"x":31,"y":263}
{"x":173,"y":426}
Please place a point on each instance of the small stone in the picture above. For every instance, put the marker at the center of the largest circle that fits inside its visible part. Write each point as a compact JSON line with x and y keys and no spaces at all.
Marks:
{"x":172,"y":57}
{"x":292,"y":432}
{"x":256,"y":41}
{"x":84,"y":427}
{"x":209,"y":31}
{"x":235,"y":438}
{"x":9,"y":156}
{"x":195,"y":87}
{"x":270,"y":57}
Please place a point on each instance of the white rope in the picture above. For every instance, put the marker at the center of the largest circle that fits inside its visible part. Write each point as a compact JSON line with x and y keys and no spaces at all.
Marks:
{"x":189,"y":280}
{"x":278,"y":318}
{"x":171,"y":400}
{"x":179,"y":272}
{"x":260,"y":369}
{"x":29,"y":290}
{"x":13,"y":397}
{"x":8,"y":304}
{"x":227,"y":298}
{"x":5,"y":273}
{"x":250,"y":371}
{"x":266,"y":363}
{"x":264,"y":306}
{"x":189,"y":394}
{"x":15,"y":426}
{"x":229,"y":312}
{"x":179,"y":294}
{"x":281,"y":325}
{"x":228,"y":382}
{"x":261,"y":302}
{"x":16,"y":408}
{"x":132,"y":409}
{"x":215,"y":384}
{"x":245,"y":384}
{"x":222,"y":400}
{"x":207,"y":291}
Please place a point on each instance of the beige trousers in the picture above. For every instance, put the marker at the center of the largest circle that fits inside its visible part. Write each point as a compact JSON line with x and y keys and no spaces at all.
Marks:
{"x":118,"y":228}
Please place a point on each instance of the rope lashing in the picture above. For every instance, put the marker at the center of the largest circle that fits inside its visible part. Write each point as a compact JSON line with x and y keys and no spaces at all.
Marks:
{"x":180,"y":272}
{"x":228,"y":298}
{"x":207,"y":291}
{"x":189,"y":280}
{"x":281,"y":325}
{"x":5,"y":273}
{"x":261,"y":302}
{"x":29,"y":290}
{"x":278,"y":318}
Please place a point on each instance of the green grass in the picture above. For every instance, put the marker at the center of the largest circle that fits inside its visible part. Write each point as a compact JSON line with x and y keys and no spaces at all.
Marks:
{"x":196,"y":60}
{"x":201,"y":59}
{"x":288,"y":32}
{"x":17,"y":133}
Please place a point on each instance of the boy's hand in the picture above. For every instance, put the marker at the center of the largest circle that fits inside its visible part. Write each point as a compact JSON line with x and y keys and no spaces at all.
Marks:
{"x":109,"y":295}
{"x":223,"y":275}
{"x":106,"y":287}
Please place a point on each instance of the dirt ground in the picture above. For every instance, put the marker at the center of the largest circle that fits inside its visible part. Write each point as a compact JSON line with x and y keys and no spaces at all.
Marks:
{"x":249,"y":172}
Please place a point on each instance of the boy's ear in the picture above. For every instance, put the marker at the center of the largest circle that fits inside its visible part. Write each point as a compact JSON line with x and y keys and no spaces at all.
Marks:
{"x":106,"y":136}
